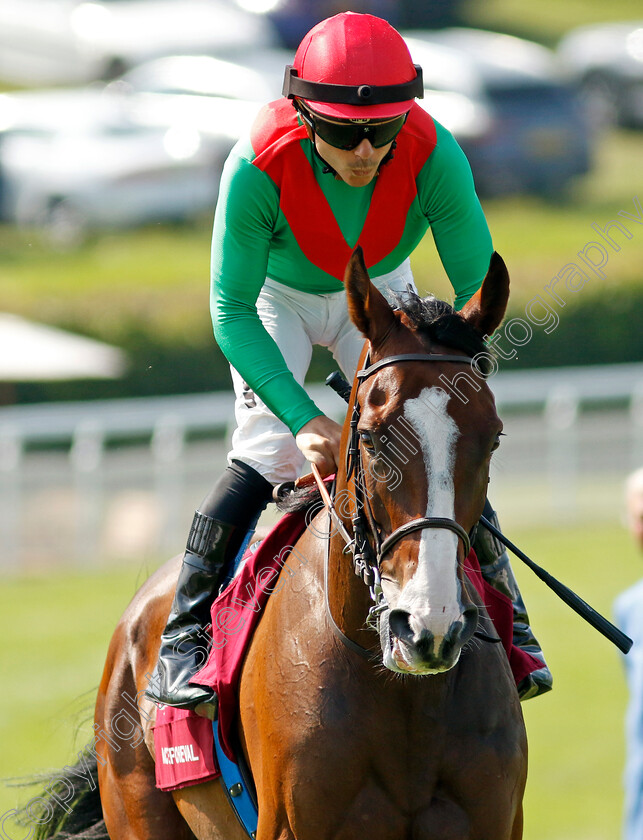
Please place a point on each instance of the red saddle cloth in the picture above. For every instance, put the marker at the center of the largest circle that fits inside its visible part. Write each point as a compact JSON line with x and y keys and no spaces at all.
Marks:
{"x":237,"y":611}
{"x":184,"y":747}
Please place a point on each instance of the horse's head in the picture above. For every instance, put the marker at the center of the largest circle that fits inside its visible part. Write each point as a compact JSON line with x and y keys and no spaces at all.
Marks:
{"x":427,"y":428}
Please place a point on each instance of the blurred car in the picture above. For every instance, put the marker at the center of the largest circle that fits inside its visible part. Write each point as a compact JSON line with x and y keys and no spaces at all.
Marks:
{"x":521,"y":126}
{"x":150,"y":146}
{"x":76,"y":41}
{"x":72,"y":162}
{"x":216,"y":97}
{"x":606,"y":60}
{"x":294,"y":18}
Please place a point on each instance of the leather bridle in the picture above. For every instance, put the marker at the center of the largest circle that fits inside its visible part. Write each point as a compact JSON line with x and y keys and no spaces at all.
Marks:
{"x":366,"y":557}
{"x":369,"y":553}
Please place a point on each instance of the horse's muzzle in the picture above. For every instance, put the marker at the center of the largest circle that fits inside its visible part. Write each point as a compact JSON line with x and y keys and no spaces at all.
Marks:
{"x":415,"y":650}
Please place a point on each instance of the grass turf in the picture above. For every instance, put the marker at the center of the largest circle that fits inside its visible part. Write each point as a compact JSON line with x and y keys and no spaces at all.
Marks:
{"x":57,"y":630}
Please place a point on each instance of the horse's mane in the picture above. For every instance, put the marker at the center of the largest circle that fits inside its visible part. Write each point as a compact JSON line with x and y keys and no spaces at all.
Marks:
{"x":298,"y":500}
{"x":437,"y":321}
{"x":441,"y":324}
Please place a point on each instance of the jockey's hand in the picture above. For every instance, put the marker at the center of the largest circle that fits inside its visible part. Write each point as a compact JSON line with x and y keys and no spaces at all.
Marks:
{"x":319,"y":440}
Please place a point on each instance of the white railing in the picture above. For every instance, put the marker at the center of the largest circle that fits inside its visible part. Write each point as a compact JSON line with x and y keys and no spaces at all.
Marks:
{"x":68,"y":469}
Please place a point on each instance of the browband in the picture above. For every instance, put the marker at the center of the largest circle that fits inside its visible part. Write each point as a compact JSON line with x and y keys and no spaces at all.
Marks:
{"x":364,"y":373}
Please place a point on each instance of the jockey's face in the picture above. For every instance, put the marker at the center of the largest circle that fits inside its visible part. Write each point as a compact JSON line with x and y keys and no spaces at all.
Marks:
{"x":354,"y":149}
{"x":356,"y":167}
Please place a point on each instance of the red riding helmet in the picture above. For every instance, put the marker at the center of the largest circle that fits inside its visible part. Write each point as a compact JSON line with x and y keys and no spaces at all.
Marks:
{"x":354,"y":66}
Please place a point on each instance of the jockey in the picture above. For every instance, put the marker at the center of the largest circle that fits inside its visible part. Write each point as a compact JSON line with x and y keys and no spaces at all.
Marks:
{"x":345,"y":157}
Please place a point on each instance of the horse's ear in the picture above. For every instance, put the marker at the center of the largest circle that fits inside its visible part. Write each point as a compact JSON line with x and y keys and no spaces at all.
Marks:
{"x":487,"y":307}
{"x":368,"y":308}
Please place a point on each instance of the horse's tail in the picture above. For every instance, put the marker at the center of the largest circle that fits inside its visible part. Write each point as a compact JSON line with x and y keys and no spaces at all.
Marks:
{"x":70,"y":807}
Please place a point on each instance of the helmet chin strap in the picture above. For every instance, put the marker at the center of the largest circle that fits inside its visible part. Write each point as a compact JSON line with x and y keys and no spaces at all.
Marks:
{"x":390,"y":154}
{"x":327,"y":169}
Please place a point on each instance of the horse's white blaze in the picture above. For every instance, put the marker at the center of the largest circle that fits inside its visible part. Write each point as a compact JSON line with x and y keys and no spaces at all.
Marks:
{"x":431,"y":597}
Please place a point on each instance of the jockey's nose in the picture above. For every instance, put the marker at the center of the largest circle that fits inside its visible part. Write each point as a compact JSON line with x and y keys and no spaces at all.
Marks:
{"x":365,"y":149}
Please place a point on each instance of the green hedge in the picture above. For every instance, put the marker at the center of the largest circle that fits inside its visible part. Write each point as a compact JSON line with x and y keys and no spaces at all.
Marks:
{"x":593,"y":330}
{"x":596,"y":329}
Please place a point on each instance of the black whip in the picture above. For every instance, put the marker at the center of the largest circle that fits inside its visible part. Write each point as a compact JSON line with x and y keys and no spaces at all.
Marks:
{"x":339,"y":384}
{"x":598,"y":621}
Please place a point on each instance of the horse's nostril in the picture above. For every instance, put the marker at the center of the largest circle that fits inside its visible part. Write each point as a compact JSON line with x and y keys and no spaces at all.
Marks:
{"x":452,"y":636}
{"x":400,"y":625}
{"x":421,"y":641}
{"x":470,"y":615}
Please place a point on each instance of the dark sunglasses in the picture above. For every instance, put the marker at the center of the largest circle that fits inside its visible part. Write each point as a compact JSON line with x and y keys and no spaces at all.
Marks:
{"x":348,"y":135}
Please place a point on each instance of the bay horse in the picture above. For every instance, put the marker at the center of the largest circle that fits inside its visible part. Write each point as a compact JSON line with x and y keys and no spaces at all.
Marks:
{"x":415,"y":734}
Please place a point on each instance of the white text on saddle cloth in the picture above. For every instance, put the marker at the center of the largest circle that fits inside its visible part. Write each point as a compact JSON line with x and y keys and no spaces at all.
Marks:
{"x":179,"y":754}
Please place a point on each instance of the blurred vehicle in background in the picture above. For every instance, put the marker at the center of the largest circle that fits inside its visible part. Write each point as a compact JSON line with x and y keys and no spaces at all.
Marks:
{"x":150,"y":145}
{"x":47,"y":42}
{"x":294,"y":18}
{"x":521,"y":126}
{"x":71,"y":161}
{"x":606,"y":61}
{"x":216,"y":97}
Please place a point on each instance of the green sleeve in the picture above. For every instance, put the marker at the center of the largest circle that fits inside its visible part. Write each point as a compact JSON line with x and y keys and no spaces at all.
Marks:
{"x":244,"y":220}
{"x":448,"y":198}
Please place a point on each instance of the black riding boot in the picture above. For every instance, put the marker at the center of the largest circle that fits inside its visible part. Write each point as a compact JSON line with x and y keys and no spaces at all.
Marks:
{"x":218,"y":532}
{"x":496,"y":570}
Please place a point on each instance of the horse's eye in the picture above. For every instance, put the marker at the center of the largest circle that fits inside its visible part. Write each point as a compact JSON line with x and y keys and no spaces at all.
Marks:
{"x":367,"y":439}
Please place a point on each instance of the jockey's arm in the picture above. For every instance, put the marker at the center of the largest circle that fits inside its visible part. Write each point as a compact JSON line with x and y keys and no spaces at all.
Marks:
{"x":245,"y":222}
{"x":243,"y":227}
{"x":447,"y":195}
